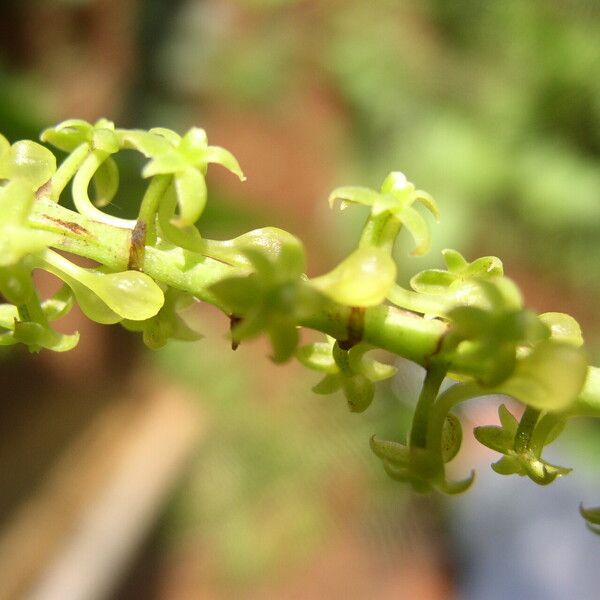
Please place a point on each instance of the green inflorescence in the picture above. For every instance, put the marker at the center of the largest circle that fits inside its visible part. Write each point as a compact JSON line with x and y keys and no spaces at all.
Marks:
{"x":466,"y":323}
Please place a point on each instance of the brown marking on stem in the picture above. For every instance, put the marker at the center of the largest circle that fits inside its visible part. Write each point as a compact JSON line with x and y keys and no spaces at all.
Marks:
{"x":233,"y":321}
{"x":137,"y":246}
{"x":44,"y":190}
{"x":72,"y":227}
{"x":356,"y":326}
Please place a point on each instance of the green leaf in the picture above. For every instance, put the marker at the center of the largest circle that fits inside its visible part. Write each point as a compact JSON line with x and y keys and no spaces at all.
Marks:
{"x":194,"y":143}
{"x":253,"y":323}
{"x":60,"y":304}
{"x":131,"y":294}
{"x":406,"y":475}
{"x":457,"y":487}
{"x":284,"y":339}
{"x":455,"y":261}
{"x":29,"y":162}
{"x":362,"y":279}
{"x":550,"y":378}
{"x":417,"y":227}
{"x":165,"y":164}
{"x":357,"y":195}
{"x":190,"y":188}
{"x":328,"y":385}
{"x":486,"y":266}
{"x":508,"y":465}
{"x":493,"y":437}
{"x":542,"y":472}
{"x":432,"y":281}
{"x":217,"y":155}
{"x":187,"y":237}
{"x":508,"y":421}
{"x":108,"y":297}
{"x":389,"y":450}
{"x":563,"y":328}
{"x":317,"y":357}
{"x":68,"y":135}
{"x":105,"y":139}
{"x":270,"y":241}
{"x":367,"y":366}
{"x":236,"y":294}
{"x":148,"y":143}
{"x":168,"y":135}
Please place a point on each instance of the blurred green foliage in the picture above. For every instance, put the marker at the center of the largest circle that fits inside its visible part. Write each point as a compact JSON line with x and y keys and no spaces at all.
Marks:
{"x":494,"y":107}
{"x":279,"y":472}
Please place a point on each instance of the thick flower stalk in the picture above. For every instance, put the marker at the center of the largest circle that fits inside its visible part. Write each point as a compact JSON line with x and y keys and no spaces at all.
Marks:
{"x":466,"y":322}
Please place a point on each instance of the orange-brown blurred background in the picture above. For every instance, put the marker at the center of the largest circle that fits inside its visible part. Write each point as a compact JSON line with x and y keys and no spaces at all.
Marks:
{"x":195,"y":472}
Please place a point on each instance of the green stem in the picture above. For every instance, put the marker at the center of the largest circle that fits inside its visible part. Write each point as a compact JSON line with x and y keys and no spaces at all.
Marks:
{"x":341,"y":359}
{"x":402,"y":333}
{"x":426,"y":304}
{"x":67,"y":170}
{"x":186,"y":237}
{"x":541,"y":432}
{"x":525,"y":430}
{"x":81,"y":199}
{"x":150,"y":202}
{"x":454,"y":395}
{"x":380,"y":231}
{"x":431,"y":386}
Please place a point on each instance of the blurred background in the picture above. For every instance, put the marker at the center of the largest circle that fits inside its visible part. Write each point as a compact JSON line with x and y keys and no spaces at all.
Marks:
{"x":195,"y":472}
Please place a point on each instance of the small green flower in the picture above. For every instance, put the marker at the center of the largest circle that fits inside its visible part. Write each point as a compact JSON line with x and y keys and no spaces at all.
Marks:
{"x":80,"y":138}
{"x":526,"y":462}
{"x":273,"y":298}
{"x":421,"y":467}
{"x":70,"y":134}
{"x":483,"y":340}
{"x":458,"y":271}
{"x":167,"y":323}
{"x":90,"y":147}
{"x":396,"y":199}
{"x":186,"y":159}
{"x":351,"y":371}
{"x":28,"y":323}
{"x":435,"y":291}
